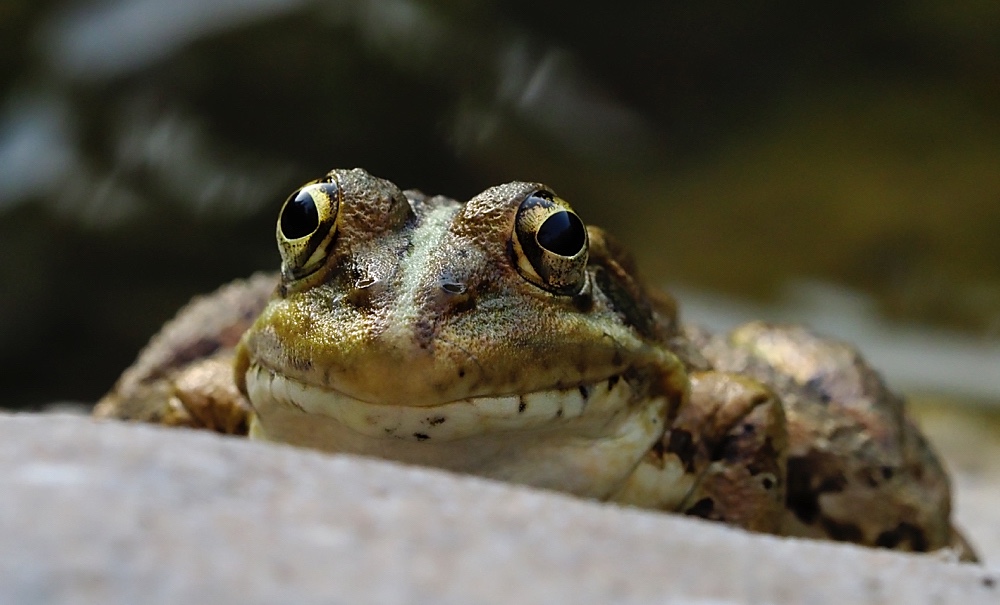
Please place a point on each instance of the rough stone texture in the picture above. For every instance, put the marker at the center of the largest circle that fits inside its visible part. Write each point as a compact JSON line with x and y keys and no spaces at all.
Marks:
{"x":112,"y":513}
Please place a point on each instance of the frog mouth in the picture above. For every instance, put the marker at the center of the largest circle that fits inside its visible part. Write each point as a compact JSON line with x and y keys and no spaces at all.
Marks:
{"x":593,"y":403}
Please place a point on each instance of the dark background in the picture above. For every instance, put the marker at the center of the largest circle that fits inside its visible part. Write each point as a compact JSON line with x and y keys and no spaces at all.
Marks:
{"x":146,"y":146}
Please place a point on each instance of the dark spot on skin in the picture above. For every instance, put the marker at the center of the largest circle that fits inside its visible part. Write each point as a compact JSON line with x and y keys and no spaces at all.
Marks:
{"x":702,"y":508}
{"x":844,"y":532}
{"x":888,"y":539}
{"x":875,"y":477}
{"x":559,"y":413}
{"x":674,"y":405}
{"x":809,"y":476}
{"x":421,"y":436}
{"x":815,"y":386}
{"x":681,"y":444}
{"x":801,"y":499}
{"x":436,"y":420}
{"x":423,"y":332}
{"x":765,"y":460}
{"x":904,"y":533}
{"x":627,"y":299}
{"x":834,"y":484}
{"x":521,"y":406}
{"x":738,"y":448}
{"x":613,"y":381}
{"x":728,"y":450}
{"x":989,"y":582}
{"x":584,"y":391}
{"x":462,"y":303}
{"x":767,"y":482}
{"x":461,"y":372}
{"x":657,"y":449}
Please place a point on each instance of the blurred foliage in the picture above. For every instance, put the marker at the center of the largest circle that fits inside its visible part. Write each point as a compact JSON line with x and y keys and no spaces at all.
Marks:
{"x":145,"y":146}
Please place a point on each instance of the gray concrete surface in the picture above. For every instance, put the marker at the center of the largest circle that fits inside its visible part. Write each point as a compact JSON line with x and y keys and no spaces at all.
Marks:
{"x":114,"y":513}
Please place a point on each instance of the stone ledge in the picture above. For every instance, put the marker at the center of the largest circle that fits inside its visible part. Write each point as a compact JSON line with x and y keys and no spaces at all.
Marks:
{"x":111,"y":513}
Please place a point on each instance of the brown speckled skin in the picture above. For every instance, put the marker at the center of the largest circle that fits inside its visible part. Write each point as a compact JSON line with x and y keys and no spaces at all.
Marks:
{"x":183,"y":377}
{"x":859,"y":470}
{"x":770,"y":427}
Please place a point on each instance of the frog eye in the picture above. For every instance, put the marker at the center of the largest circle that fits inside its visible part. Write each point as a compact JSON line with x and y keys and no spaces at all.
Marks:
{"x":307,"y":224}
{"x":550,"y":243}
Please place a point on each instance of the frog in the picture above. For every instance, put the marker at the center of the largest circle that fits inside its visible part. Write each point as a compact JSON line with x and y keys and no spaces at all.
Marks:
{"x":505,"y":338}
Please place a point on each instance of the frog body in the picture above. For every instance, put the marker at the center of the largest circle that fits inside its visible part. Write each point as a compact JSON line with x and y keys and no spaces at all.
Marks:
{"x":502,"y":337}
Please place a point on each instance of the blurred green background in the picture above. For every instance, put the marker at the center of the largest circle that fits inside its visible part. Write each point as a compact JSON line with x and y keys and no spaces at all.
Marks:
{"x":809,"y":160}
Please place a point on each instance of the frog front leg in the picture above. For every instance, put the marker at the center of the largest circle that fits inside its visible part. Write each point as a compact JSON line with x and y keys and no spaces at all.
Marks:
{"x":723,"y":458}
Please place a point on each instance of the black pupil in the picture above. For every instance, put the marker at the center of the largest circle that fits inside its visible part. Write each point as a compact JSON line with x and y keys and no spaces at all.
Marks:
{"x":562,"y":233}
{"x":300,"y":217}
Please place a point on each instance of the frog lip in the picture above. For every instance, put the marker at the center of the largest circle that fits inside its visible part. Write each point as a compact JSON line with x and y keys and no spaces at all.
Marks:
{"x":591,"y":402}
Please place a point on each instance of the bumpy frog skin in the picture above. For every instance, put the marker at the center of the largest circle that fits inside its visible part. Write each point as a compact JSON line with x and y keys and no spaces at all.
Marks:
{"x":501,"y":337}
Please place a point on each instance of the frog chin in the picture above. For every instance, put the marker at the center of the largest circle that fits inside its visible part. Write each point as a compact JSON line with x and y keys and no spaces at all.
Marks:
{"x":585,"y":439}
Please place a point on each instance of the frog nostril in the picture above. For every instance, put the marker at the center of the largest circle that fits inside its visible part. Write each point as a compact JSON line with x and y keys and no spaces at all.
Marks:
{"x":453,"y":287}
{"x":366,"y":292}
{"x":300,"y":216}
{"x":454,"y":295}
{"x":365,"y":282}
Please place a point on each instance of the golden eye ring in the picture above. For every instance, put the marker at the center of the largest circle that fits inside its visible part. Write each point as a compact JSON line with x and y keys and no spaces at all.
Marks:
{"x":307,"y":225}
{"x":550,"y":243}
